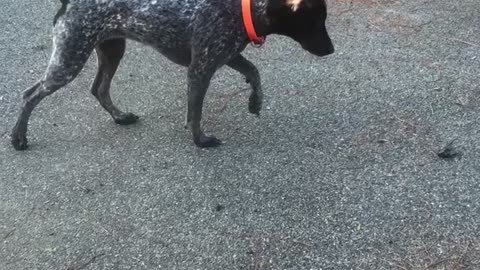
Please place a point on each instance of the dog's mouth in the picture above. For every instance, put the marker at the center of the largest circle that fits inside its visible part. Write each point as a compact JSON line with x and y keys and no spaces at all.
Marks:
{"x":318,"y":45}
{"x":319,"y":51}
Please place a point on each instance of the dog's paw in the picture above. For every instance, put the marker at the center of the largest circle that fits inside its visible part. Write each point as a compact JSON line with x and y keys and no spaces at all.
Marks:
{"x":254,"y":104}
{"x":126,"y":119}
{"x":207,"y":141}
{"x":20,"y":143}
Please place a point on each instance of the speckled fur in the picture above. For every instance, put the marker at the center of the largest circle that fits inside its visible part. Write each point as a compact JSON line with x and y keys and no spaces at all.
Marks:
{"x":200,"y":34}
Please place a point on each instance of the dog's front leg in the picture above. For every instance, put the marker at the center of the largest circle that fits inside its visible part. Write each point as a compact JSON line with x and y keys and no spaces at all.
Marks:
{"x":199,"y":76}
{"x":252,"y":76}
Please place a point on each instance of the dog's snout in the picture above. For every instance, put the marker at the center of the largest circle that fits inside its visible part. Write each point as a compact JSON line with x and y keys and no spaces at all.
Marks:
{"x":320,"y":50}
{"x":331,"y":49}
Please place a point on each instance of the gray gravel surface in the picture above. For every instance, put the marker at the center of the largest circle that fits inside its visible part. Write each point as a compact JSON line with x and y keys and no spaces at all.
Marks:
{"x":339,"y":172}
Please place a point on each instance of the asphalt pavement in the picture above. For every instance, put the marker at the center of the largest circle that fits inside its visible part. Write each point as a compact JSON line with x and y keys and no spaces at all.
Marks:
{"x":340,"y":171}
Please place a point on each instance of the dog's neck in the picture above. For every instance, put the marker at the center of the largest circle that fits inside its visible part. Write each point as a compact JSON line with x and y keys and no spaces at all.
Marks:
{"x":260,"y":17}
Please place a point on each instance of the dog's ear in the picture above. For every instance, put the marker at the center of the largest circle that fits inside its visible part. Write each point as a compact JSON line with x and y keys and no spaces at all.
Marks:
{"x":294,"y":4}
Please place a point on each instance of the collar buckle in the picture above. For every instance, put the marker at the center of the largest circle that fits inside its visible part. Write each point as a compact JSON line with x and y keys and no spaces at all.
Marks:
{"x":257,"y":43}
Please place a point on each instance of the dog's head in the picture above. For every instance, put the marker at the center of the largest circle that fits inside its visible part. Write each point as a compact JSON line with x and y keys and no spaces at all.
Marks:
{"x":302,"y":20}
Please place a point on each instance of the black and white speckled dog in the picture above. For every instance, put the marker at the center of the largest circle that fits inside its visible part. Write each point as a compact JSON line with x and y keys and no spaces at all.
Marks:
{"x":200,"y":34}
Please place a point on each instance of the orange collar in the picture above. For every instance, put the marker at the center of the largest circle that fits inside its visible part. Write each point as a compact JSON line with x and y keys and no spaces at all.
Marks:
{"x":248,"y":23}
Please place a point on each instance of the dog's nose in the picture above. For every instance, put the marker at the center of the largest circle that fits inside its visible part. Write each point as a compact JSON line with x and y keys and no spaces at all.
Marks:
{"x":331,"y":49}
{"x":326,"y":51}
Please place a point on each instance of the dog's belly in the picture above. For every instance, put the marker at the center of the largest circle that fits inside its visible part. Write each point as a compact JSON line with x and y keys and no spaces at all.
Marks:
{"x":180,"y":57}
{"x":177,"y":52}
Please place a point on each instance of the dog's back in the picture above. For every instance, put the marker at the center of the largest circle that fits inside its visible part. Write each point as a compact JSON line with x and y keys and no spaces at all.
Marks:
{"x":166,"y":25}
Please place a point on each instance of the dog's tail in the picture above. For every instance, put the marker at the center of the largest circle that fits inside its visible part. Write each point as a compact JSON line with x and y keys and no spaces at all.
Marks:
{"x":61,"y":11}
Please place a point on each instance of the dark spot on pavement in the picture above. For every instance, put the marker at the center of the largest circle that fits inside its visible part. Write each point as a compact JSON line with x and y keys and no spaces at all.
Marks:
{"x":450,"y":152}
{"x":88,"y":190}
{"x":41,"y":47}
{"x":219,"y":207}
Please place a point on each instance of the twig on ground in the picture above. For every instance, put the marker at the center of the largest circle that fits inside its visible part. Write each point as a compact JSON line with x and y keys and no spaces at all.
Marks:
{"x":229,"y":97}
{"x":83,"y":266}
{"x":460,"y":261}
{"x":394,"y":264}
{"x":348,"y":9}
{"x":466,"y":42}
{"x":10,"y":233}
{"x":437,"y":263}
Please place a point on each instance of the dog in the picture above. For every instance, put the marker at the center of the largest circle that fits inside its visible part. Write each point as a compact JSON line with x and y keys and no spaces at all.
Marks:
{"x":202,"y":35}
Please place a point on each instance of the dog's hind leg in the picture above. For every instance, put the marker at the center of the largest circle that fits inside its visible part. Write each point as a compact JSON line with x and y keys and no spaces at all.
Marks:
{"x":109,"y":54}
{"x":252,"y":76}
{"x":67,"y":60}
